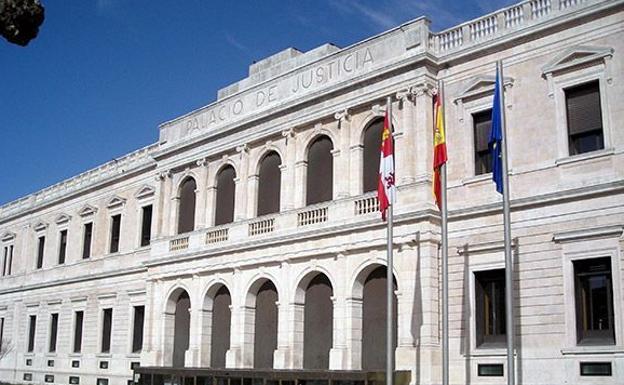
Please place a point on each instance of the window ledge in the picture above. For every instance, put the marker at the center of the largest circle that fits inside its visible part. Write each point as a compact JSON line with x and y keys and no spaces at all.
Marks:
{"x":583,"y":157}
{"x":477,"y":179}
{"x":136,"y":355}
{"x":75,"y":355}
{"x":489,"y":352}
{"x":587,"y":350}
{"x":104,"y":355}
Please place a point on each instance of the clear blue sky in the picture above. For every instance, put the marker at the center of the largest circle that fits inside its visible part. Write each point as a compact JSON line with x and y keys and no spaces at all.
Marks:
{"x":103,"y":74}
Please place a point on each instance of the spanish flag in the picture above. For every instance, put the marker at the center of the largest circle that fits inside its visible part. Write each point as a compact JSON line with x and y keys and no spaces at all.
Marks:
{"x":439,"y":146}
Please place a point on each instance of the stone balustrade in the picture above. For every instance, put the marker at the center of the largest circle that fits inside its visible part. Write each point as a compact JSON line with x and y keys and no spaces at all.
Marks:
{"x":513,"y":18}
{"x":111,"y":169}
{"x":272,"y":226}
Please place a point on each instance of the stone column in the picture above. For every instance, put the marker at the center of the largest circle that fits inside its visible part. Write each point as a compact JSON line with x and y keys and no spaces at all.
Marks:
{"x":337,"y":181}
{"x":192,"y":355}
{"x":284,"y":188}
{"x":353,"y":326}
{"x":241,"y":181}
{"x":201,"y":218}
{"x":281,"y":356}
{"x":355,"y":169}
{"x":252,"y":195}
{"x":147,"y":353}
{"x":300,"y":181}
{"x":288,"y":196}
{"x":342,"y":169}
{"x":159,"y":212}
{"x":422,"y":141}
{"x":406,"y":160}
{"x":338,"y":355}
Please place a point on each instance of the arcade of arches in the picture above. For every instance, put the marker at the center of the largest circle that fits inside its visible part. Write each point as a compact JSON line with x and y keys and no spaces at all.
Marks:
{"x":319,"y":180}
{"x":313,"y":317}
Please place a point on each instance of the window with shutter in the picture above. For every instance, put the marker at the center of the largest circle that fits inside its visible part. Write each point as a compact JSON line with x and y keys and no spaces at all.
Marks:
{"x":224,"y":211}
{"x":584,"y":118}
{"x":482,"y":122}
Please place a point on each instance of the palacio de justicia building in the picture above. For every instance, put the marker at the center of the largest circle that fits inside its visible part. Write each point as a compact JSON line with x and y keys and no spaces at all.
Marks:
{"x":249,"y":238}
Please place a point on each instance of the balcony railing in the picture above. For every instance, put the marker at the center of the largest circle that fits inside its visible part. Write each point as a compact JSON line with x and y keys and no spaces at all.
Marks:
{"x":312,"y":216}
{"x":262,"y":226}
{"x":503,"y":21}
{"x":216,"y":236}
{"x":177,"y":244}
{"x":285,"y":223}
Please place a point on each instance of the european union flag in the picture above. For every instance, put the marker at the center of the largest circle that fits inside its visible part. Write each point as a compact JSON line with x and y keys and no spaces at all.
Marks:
{"x":496,"y":138}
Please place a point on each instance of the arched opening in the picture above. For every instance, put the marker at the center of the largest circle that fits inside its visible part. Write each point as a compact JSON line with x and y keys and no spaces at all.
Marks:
{"x":181,"y":328}
{"x":320,"y":171}
{"x":220,"y":333}
{"x":269,"y":184}
{"x":265,"y":321}
{"x":318,"y":323}
{"x":374,"y":312}
{"x":370,"y":160}
{"x":226,"y":188}
{"x":186,"y":206}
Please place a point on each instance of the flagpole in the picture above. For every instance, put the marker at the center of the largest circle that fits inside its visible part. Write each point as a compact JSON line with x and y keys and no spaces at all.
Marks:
{"x":507,"y":230}
{"x":444,"y":225}
{"x":389,"y":278}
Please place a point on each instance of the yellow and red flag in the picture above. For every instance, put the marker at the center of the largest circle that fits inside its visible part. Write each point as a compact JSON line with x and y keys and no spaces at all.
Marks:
{"x":439,"y":146}
{"x":386,"y":189}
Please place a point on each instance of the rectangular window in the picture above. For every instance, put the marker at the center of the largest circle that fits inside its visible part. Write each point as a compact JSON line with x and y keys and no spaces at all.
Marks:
{"x":490,"y":308}
{"x":40,"y":249}
{"x":482,"y":122}
{"x":1,"y":332}
{"x":594,"y":302}
{"x":146,"y":226}
{"x":78,"y":317}
{"x":137,"y":334}
{"x":62,"y":246}
{"x":53,"y":332}
{"x":4,"y":260}
{"x":32,"y":328}
{"x":107,"y":323}
{"x":86,"y":243}
{"x":584,"y":118}
{"x":115,"y":232}
{"x":10,"y":260}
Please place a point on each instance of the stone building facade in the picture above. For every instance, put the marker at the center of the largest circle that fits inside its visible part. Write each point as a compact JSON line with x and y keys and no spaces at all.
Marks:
{"x":249,"y":237}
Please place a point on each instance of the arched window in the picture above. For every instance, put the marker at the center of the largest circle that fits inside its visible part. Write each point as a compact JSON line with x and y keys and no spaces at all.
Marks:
{"x":221,"y":321}
{"x":318,"y":323}
{"x":320,"y":171}
{"x":372,"y":148}
{"x":265,"y":321}
{"x":374,"y":320}
{"x":224,"y":212}
{"x":269,"y":184}
{"x":181,"y":326}
{"x":186,"y":208}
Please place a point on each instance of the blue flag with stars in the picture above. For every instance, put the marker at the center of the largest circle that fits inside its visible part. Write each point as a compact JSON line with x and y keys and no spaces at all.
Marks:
{"x":496,"y":138}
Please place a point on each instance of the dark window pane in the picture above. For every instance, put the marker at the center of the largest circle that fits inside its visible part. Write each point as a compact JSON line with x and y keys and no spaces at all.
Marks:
{"x":594,"y":302}
{"x":146,"y":226}
{"x":115,"y":233}
{"x":482,"y":122}
{"x":224,"y":212}
{"x":584,"y":118}
{"x":53,"y":332}
{"x":374,"y":313}
{"x":1,"y":332}
{"x":79,"y":315}
{"x":318,"y":323}
{"x":137,"y":335}
{"x":10,"y":260}
{"x":4,"y":261}
{"x":221,"y":321}
{"x":490,"y":307}
{"x":62,"y":247}
{"x":32,"y":327}
{"x":269,"y":184}
{"x":265,"y":333}
{"x":320,"y":171}
{"x":372,"y":153}
{"x":107,"y":323}
{"x":86,"y":242}
{"x":40,"y":249}
{"x":186,"y":214}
